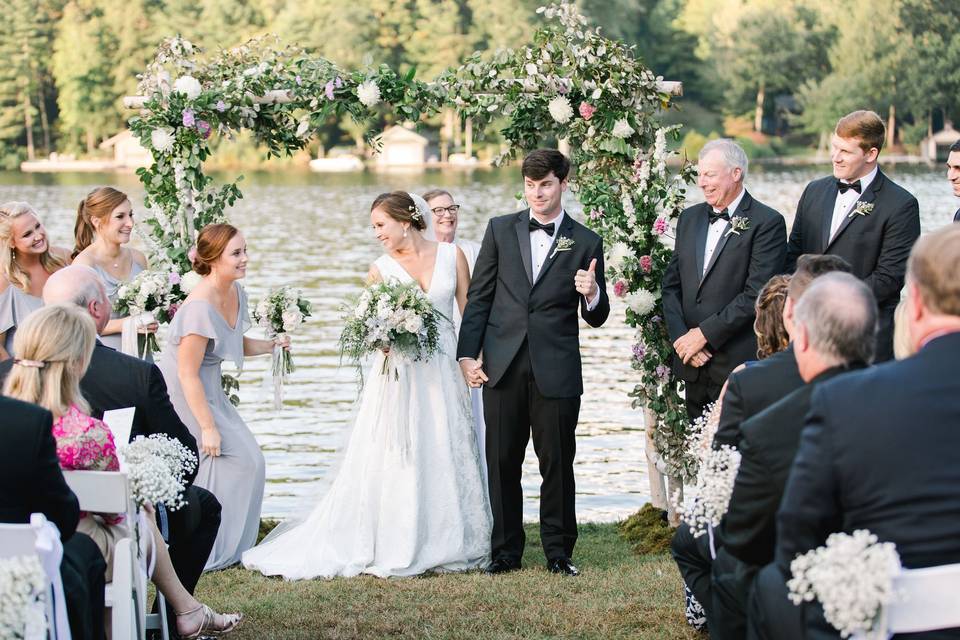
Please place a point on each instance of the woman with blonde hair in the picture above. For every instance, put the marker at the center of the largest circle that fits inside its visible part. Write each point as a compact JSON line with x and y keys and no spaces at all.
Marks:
{"x":104,"y":224}
{"x":26,"y":261}
{"x":55,"y":345}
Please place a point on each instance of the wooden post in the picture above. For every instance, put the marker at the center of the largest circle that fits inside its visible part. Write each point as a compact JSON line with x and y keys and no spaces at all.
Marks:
{"x":658,"y":490}
{"x":468,"y":137}
{"x":892,"y":127}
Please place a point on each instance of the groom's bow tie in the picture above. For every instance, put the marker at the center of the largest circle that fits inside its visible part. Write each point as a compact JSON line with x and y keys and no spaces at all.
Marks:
{"x":536,"y":226}
{"x":719,"y":215}
{"x":846,"y":186}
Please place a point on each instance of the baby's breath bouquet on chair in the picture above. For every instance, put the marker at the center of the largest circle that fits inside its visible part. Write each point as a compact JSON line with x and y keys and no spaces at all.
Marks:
{"x":157,"y":467}
{"x":23,"y":593}
{"x":398,"y":319}
{"x":280,"y":314}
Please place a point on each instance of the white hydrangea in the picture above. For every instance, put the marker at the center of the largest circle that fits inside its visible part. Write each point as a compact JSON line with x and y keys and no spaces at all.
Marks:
{"x":619,"y":252}
{"x":368,"y":93}
{"x":560,"y":109}
{"x":622,"y":129}
{"x":641,"y":302}
{"x":162,"y":139}
{"x":189,"y":280}
{"x":188,"y":86}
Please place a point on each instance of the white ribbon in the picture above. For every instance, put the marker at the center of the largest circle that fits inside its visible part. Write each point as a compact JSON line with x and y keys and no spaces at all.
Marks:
{"x":50,"y":551}
{"x":713,"y":549}
{"x":130,"y":334}
{"x":277,"y":374}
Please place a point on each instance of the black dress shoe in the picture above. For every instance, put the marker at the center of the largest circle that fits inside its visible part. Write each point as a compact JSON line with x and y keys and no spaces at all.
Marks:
{"x":563,"y":566}
{"x":502,"y":565}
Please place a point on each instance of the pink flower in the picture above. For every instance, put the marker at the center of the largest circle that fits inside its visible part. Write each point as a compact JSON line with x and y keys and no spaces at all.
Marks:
{"x":587,"y":110}
{"x":661,"y":226}
{"x":646,"y":263}
{"x":328,"y":89}
{"x":192,"y":254}
{"x":620,"y":288}
{"x":596,"y":214}
{"x":204,"y":128}
{"x":172,"y":310}
{"x":173,"y":277}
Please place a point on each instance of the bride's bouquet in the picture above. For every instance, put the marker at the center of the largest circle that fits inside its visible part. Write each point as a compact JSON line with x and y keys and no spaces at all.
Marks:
{"x":280,"y":314}
{"x":391,"y":316}
{"x":151,"y":296}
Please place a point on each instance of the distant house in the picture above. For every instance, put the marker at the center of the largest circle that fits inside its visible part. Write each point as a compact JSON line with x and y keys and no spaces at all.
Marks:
{"x":402,"y":148}
{"x":936,"y":148}
{"x":127,"y":151}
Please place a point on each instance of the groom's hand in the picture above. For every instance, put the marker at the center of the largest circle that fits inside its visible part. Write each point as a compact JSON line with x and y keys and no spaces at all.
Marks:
{"x":586,"y":281}
{"x":473,"y":372}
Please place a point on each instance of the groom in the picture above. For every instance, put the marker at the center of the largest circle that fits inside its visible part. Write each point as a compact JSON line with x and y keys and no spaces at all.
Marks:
{"x":534,"y":270}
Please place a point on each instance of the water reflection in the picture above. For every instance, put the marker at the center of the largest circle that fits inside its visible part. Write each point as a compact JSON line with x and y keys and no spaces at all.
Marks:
{"x":312,"y":231}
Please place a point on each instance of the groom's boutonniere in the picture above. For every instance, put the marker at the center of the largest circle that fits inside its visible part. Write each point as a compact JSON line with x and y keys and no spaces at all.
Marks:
{"x":861,"y":209}
{"x":563,"y":244}
{"x":738,"y":224}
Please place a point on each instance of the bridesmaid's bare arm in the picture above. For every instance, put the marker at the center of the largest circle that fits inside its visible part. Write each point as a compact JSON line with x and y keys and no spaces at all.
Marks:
{"x":189,"y":358}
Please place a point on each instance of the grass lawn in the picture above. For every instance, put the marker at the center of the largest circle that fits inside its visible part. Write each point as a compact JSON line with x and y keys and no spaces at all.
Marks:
{"x":618,"y":595}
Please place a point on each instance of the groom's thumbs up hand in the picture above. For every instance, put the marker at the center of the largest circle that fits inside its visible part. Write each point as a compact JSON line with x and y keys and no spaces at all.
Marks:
{"x":586,"y":281}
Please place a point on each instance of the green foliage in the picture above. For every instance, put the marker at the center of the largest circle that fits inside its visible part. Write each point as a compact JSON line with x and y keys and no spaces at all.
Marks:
{"x":647,"y":530}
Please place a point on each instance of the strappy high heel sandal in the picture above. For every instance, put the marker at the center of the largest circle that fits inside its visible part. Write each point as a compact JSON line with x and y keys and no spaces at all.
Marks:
{"x":208,"y":623}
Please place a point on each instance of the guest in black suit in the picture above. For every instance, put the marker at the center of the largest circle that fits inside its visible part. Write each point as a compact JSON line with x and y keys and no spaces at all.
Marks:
{"x":536,"y":269}
{"x":31,"y":482}
{"x":881,"y":447}
{"x":862,"y":216}
{"x":726,"y":250}
{"x":834,"y":331}
{"x":953,"y":173}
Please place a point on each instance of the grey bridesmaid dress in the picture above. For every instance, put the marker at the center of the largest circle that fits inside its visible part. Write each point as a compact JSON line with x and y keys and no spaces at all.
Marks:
{"x":237,"y":476}
{"x":15,"y":306}
{"x":112,"y":284}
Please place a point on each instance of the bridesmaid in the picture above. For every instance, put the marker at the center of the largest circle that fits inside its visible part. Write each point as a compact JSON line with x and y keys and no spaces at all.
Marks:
{"x":26,"y":261}
{"x":104,"y":224}
{"x":208,"y":329}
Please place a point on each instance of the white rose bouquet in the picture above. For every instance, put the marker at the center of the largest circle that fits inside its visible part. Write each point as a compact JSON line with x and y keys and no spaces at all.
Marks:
{"x":153,"y":292}
{"x":23,"y":593}
{"x":392,"y":316}
{"x":280,"y":314}
{"x":157,"y":467}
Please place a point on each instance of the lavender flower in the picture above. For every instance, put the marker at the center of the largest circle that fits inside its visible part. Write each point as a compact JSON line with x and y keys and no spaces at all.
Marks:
{"x":328,"y":89}
{"x":204,"y":128}
{"x":663,"y":371}
{"x":221,"y":106}
{"x":639,"y":351}
{"x":189,"y":119}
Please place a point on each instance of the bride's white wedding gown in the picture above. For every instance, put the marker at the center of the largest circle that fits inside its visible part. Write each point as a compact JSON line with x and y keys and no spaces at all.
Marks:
{"x":409,"y":496}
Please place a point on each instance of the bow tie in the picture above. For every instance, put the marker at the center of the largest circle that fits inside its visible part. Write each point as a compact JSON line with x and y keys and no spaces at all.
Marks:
{"x":719,"y":215}
{"x":536,"y":226}
{"x":845,"y":186}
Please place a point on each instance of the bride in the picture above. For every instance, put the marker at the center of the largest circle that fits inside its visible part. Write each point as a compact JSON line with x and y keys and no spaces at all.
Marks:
{"x":397,"y":509}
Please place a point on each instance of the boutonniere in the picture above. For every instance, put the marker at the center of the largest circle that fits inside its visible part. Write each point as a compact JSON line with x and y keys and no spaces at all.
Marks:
{"x":738,"y":224}
{"x":563,"y":244}
{"x":861,"y":209}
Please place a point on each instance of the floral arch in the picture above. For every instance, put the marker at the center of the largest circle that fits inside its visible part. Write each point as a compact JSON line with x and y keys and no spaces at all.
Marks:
{"x":569,"y":82}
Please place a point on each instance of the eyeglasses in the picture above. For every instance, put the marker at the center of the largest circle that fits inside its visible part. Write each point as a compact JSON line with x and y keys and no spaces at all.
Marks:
{"x":451,"y":210}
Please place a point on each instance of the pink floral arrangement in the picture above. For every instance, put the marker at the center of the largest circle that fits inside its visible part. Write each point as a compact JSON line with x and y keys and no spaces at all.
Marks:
{"x":586,"y":110}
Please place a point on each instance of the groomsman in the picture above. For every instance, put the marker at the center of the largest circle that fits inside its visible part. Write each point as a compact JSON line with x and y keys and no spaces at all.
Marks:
{"x":862,"y":216}
{"x":726,"y":250}
{"x":953,"y":173}
{"x":834,"y":331}
{"x":881,"y":449}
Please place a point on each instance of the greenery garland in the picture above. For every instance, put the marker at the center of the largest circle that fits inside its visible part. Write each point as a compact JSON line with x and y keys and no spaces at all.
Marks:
{"x":570,"y":83}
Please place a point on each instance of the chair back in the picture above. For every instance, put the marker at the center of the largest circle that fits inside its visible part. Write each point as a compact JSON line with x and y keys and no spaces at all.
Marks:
{"x":17,"y":540}
{"x":101,"y":491}
{"x":930,"y":600}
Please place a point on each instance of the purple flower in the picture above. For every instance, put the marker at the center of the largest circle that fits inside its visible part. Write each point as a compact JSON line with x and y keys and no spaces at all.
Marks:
{"x":221,"y":106}
{"x":655,"y":319}
{"x":338,"y":82}
{"x":173,"y":277}
{"x":661,"y":226}
{"x":188,"y":118}
{"x":299,"y":80}
{"x":639,"y":351}
{"x":596,"y":214}
{"x":663,"y":371}
{"x":328,"y":89}
{"x":204,"y":128}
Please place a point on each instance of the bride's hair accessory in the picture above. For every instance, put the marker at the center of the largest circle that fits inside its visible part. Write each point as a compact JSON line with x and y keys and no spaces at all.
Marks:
{"x":414,"y":209}
{"x":36,"y":364}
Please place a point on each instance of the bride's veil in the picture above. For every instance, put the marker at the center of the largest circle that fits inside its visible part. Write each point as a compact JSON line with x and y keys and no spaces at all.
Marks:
{"x":429,"y":233}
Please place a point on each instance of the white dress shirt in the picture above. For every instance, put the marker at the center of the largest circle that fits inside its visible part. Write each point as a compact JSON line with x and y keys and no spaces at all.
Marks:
{"x":540,"y":243}
{"x":715,"y":230}
{"x":845,"y":201}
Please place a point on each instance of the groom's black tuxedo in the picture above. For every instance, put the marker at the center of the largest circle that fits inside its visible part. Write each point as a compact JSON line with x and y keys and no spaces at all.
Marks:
{"x":527,"y":331}
{"x":876,"y":245}
{"x":721,"y":302}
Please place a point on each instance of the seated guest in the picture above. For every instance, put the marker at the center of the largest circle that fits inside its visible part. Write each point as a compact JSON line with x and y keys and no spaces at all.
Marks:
{"x":902,"y":348}
{"x":881,"y":447}
{"x":749,"y":391}
{"x":26,"y":261}
{"x":31,"y":482}
{"x":834,"y":327}
{"x":54,"y":346}
{"x":772,"y":336}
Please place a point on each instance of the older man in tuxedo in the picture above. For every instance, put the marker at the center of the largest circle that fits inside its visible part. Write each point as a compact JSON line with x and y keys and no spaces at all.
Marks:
{"x":861,"y":215}
{"x":834,"y":332}
{"x":881,"y":447}
{"x":953,"y":173}
{"x":31,"y":482}
{"x":726,"y":249}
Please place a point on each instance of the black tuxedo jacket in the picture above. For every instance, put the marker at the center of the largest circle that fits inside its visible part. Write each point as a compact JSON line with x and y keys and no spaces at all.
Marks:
{"x":721,"y":302}
{"x":768,"y":445}
{"x":881,"y":451}
{"x":30,"y":477}
{"x":505,"y":307}
{"x":751,"y":390}
{"x":115,"y":380}
{"x":956,"y":216}
{"x":877,"y":245}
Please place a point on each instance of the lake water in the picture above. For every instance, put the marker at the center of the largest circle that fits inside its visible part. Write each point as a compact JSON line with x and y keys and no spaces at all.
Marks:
{"x":311,"y":231}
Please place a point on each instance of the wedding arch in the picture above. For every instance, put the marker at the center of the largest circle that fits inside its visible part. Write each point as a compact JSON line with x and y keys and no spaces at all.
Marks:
{"x":570,"y":82}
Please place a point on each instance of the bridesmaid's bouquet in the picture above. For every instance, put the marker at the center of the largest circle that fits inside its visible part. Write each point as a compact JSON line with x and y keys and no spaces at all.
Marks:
{"x":157,"y":467}
{"x":280,"y":314}
{"x":395,"y":316}
{"x":154,"y":296}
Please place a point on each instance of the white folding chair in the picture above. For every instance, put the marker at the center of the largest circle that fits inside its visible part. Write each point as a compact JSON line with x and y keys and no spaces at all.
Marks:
{"x":126,"y":596}
{"x":41,"y":538}
{"x":930,"y":600}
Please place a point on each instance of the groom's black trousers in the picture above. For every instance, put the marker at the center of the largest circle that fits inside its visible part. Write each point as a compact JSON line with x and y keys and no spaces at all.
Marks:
{"x":512,"y":409}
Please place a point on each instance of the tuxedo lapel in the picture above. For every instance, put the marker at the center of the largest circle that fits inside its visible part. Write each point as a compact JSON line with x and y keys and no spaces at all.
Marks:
{"x":522,"y":226}
{"x":566,"y":230}
{"x":828,"y":201}
{"x":869,"y":196}
{"x":956,"y":216}
{"x":701,"y":225}
{"x":742,"y":209}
